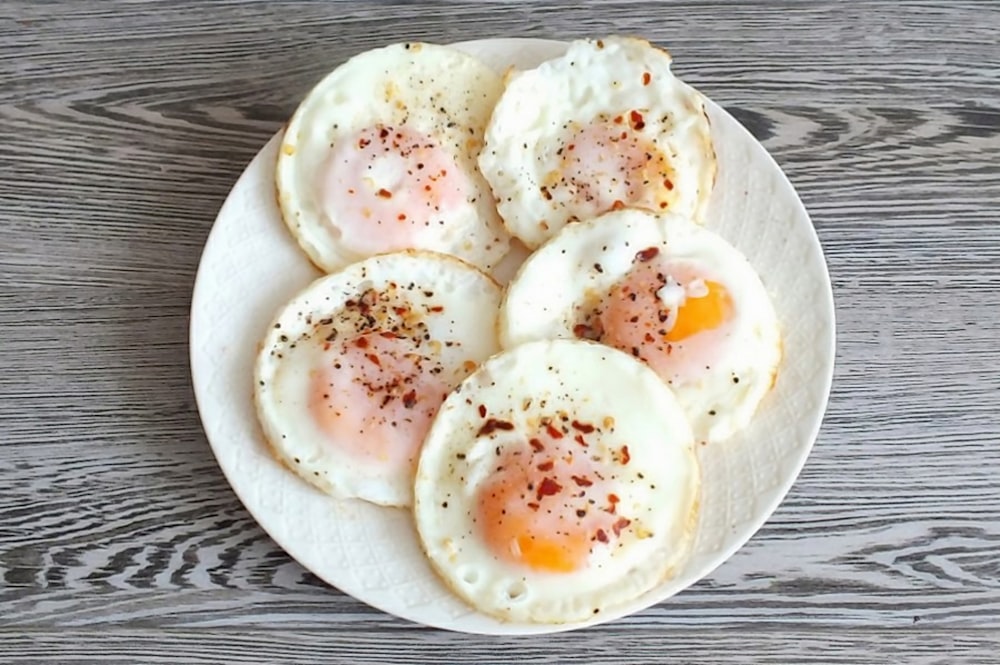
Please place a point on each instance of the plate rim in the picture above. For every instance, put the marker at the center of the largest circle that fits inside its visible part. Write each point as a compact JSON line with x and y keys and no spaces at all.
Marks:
{"x":778,"y":495}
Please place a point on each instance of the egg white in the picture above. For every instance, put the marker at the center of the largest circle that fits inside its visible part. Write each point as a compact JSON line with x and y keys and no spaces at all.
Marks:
{"x":460,"y":335}
{"x":609,"y":78}
{"x":585,"y":260}
{"x":658,"y":484}
{"x":437,"y":91}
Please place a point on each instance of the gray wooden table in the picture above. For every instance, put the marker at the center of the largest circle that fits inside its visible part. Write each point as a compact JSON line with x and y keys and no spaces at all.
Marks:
{"x":124,"y":124}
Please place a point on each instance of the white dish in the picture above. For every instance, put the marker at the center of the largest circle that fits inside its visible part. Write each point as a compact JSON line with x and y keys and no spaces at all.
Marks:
{"x":251,"y":265}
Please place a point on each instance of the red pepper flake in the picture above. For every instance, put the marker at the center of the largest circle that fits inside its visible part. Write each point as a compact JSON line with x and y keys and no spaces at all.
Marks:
{"x":646,"y":78}
{"x":647,"y":254}
{"x":625,"y":457}
{"x":581,"y":481}
{"x":622,"y":523}
{"x":374,"y":359}
{"x":387,"y":335}
{"x":613,"y":498}
{"x":361,"y":342}
{"x":579,"y":439}
{"x":492,"y":425}
{"x":612,"y":504}
{"x":410,"y":399}
{"x":667,"y":183}
{"x":536,"y":445}
{"x":571,"y":146}
{"x":617,"y":205}
{"x":383,"y":133}
{"x":401,"y":217}
{"x":401,"y":311}
{"x":601,"y":536}
{"x":636,"y":120}
{"x":619,"y":120}
{"x":384,"y":193}
{"x":533,"y":505}
{"x":546,"y":193}
{"x":582,"y":427}
{"x":584,"y":331}
{"x":436,"y":308}
{"x":546,"y":466}
{"x":482,"y":410}
{"x":363,"y":143}
{"x":553,"y":432}
{"x":663,"y":204}
{"x":548,"y":487}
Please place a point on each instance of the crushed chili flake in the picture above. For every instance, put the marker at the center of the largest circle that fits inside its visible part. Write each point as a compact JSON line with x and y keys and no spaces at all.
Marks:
{"x":374,"y":359}
{"x":601,"y":536}
{"x":668,"y":184}
{"x":482,"y":410}
{"x":410,"y":399}
{"x":384,"y":193}
{"x":537,"y":445}
{"x":361,"y":342}
{"x":582,"y":481}
{"x":548,"y":487}
{"x":437,"y":308}
{"x":585,"y":331}
{"x":618,"y":204}
{"x":636,"y":120}
{"x":619,"y":119}
{"x":622,"y":523}
{"x":625,"y":457}
{"x":553,"y":431}
{"x":582,"y":427}
{"x":546,"y":466}
{"x":647,"y":254}
{"x":492,"y":425}
{"x":363,"y":143}
{"x":533,"y":505}
{"x":646,"y":78}
{"x":579,"y":439}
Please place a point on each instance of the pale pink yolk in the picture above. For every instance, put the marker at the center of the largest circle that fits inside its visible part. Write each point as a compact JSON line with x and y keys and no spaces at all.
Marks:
{"x":376,"y":397}
{"x":668,"y":315}
{"x":546,"y":506}
{"x":611,"y":164}
{"x":388,"y":187}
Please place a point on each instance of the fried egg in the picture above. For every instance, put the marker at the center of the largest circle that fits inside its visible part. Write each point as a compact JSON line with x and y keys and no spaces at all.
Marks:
{"x":354,"y":368}
{"x":381,"y":156}
{"x":662,"y":289}
{"x":605,"y":126}
{"x":557,"y":482}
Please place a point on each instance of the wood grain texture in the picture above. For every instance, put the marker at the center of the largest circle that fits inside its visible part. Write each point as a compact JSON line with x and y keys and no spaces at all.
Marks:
{"x":124,"y":124}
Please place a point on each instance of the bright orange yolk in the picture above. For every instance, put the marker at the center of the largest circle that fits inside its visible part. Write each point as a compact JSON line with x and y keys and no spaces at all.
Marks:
{"x":546,"y":506}
{"x":387,"y":188}
{"x":610,"y":164}
{"x":701,"y":313}
{"x":376,"y":398}
{"x":667,"y":314}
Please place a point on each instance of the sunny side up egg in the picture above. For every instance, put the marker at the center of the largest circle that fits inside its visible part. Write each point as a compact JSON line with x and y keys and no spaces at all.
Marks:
{"x":354,"y":368}
{"x":605,"y":126}
{"x":558,"y":481}
{"x":665,"y":290}
{"x":381,"y":156}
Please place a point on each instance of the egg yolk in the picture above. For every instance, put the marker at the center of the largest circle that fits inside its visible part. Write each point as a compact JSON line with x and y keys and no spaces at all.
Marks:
{"x":388,"y":187}
{"x":610,"y":164}
{"x":376,"y":396}
{"x":669,"y":315}
{"x":546,"y":506}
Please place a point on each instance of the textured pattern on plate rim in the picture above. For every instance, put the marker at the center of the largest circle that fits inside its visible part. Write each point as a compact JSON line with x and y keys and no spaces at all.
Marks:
{"x":251,"y":265}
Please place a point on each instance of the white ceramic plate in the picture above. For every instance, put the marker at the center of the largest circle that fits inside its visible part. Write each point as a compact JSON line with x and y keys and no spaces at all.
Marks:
{"x":251,"y":265}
